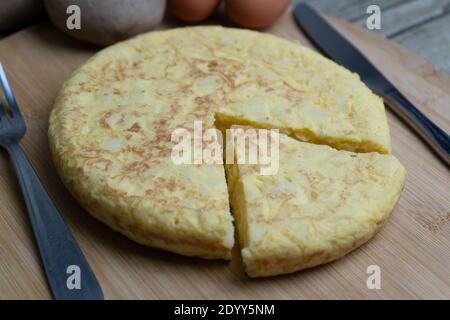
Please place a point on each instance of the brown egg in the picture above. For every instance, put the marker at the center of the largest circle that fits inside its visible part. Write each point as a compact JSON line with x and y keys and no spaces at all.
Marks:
{"x":193,"y":10}
{"x":255,"y":14}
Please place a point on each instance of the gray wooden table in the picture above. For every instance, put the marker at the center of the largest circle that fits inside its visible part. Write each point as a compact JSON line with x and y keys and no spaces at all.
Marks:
{"x":422,"y":26}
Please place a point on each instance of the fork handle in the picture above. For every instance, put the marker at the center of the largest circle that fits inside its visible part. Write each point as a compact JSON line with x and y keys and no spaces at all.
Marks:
{"x":63,"y":260}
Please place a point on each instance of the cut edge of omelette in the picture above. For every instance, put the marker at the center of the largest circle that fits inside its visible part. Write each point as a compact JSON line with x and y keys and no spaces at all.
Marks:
{"x":281,"y":238}
{"x":225,"y":121}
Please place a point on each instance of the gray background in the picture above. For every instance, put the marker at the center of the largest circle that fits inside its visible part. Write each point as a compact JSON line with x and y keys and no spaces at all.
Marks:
{"x":422,"y":26}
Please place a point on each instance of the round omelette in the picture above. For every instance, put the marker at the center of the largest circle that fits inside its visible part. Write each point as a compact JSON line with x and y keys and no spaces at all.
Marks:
{"x":110,"y":129}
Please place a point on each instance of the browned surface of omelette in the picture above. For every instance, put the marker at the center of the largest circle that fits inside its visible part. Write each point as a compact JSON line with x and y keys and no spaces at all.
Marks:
{"x":110,"y":130}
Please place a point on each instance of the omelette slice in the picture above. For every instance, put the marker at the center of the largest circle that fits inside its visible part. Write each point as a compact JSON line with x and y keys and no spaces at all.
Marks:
{"x":321,"y":204}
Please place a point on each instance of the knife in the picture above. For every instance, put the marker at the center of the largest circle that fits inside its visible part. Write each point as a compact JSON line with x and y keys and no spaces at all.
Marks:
{"x":336,"y":47}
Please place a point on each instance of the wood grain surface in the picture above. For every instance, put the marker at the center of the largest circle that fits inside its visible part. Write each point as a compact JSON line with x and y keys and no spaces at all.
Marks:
{"x":422,"y":26}
{"x":412,"y":249}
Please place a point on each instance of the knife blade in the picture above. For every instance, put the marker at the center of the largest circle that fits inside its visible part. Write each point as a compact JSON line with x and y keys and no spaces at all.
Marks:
{"x":339,"y":49}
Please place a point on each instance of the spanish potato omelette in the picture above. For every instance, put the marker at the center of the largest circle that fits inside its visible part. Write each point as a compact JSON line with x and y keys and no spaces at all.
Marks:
{"x":321,"y":204}
{"x":110,"y":129}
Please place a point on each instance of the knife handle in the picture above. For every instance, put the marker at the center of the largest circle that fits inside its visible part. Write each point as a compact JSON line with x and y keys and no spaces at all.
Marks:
{"x":60,"y":253}
{"x":436,"y":138}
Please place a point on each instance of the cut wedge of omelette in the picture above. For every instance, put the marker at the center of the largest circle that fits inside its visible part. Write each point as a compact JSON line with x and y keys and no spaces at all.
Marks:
{"x":111,"y":126}
{"x":321,"y":204}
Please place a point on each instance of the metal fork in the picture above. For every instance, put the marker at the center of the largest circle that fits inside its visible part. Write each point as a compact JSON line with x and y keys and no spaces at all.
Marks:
{"x":68,"y":272}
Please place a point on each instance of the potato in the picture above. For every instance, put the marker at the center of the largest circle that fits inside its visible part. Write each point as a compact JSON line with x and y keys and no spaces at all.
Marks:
{"x":17,"y":13}
{"x":106,"y":22}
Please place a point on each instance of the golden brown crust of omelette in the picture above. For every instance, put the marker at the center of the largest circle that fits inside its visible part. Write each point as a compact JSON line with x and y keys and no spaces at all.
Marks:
{"x":110,"y":128}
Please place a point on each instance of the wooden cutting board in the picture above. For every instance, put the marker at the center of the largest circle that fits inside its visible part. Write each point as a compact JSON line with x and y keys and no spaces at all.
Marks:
{"x":412,"y":249}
